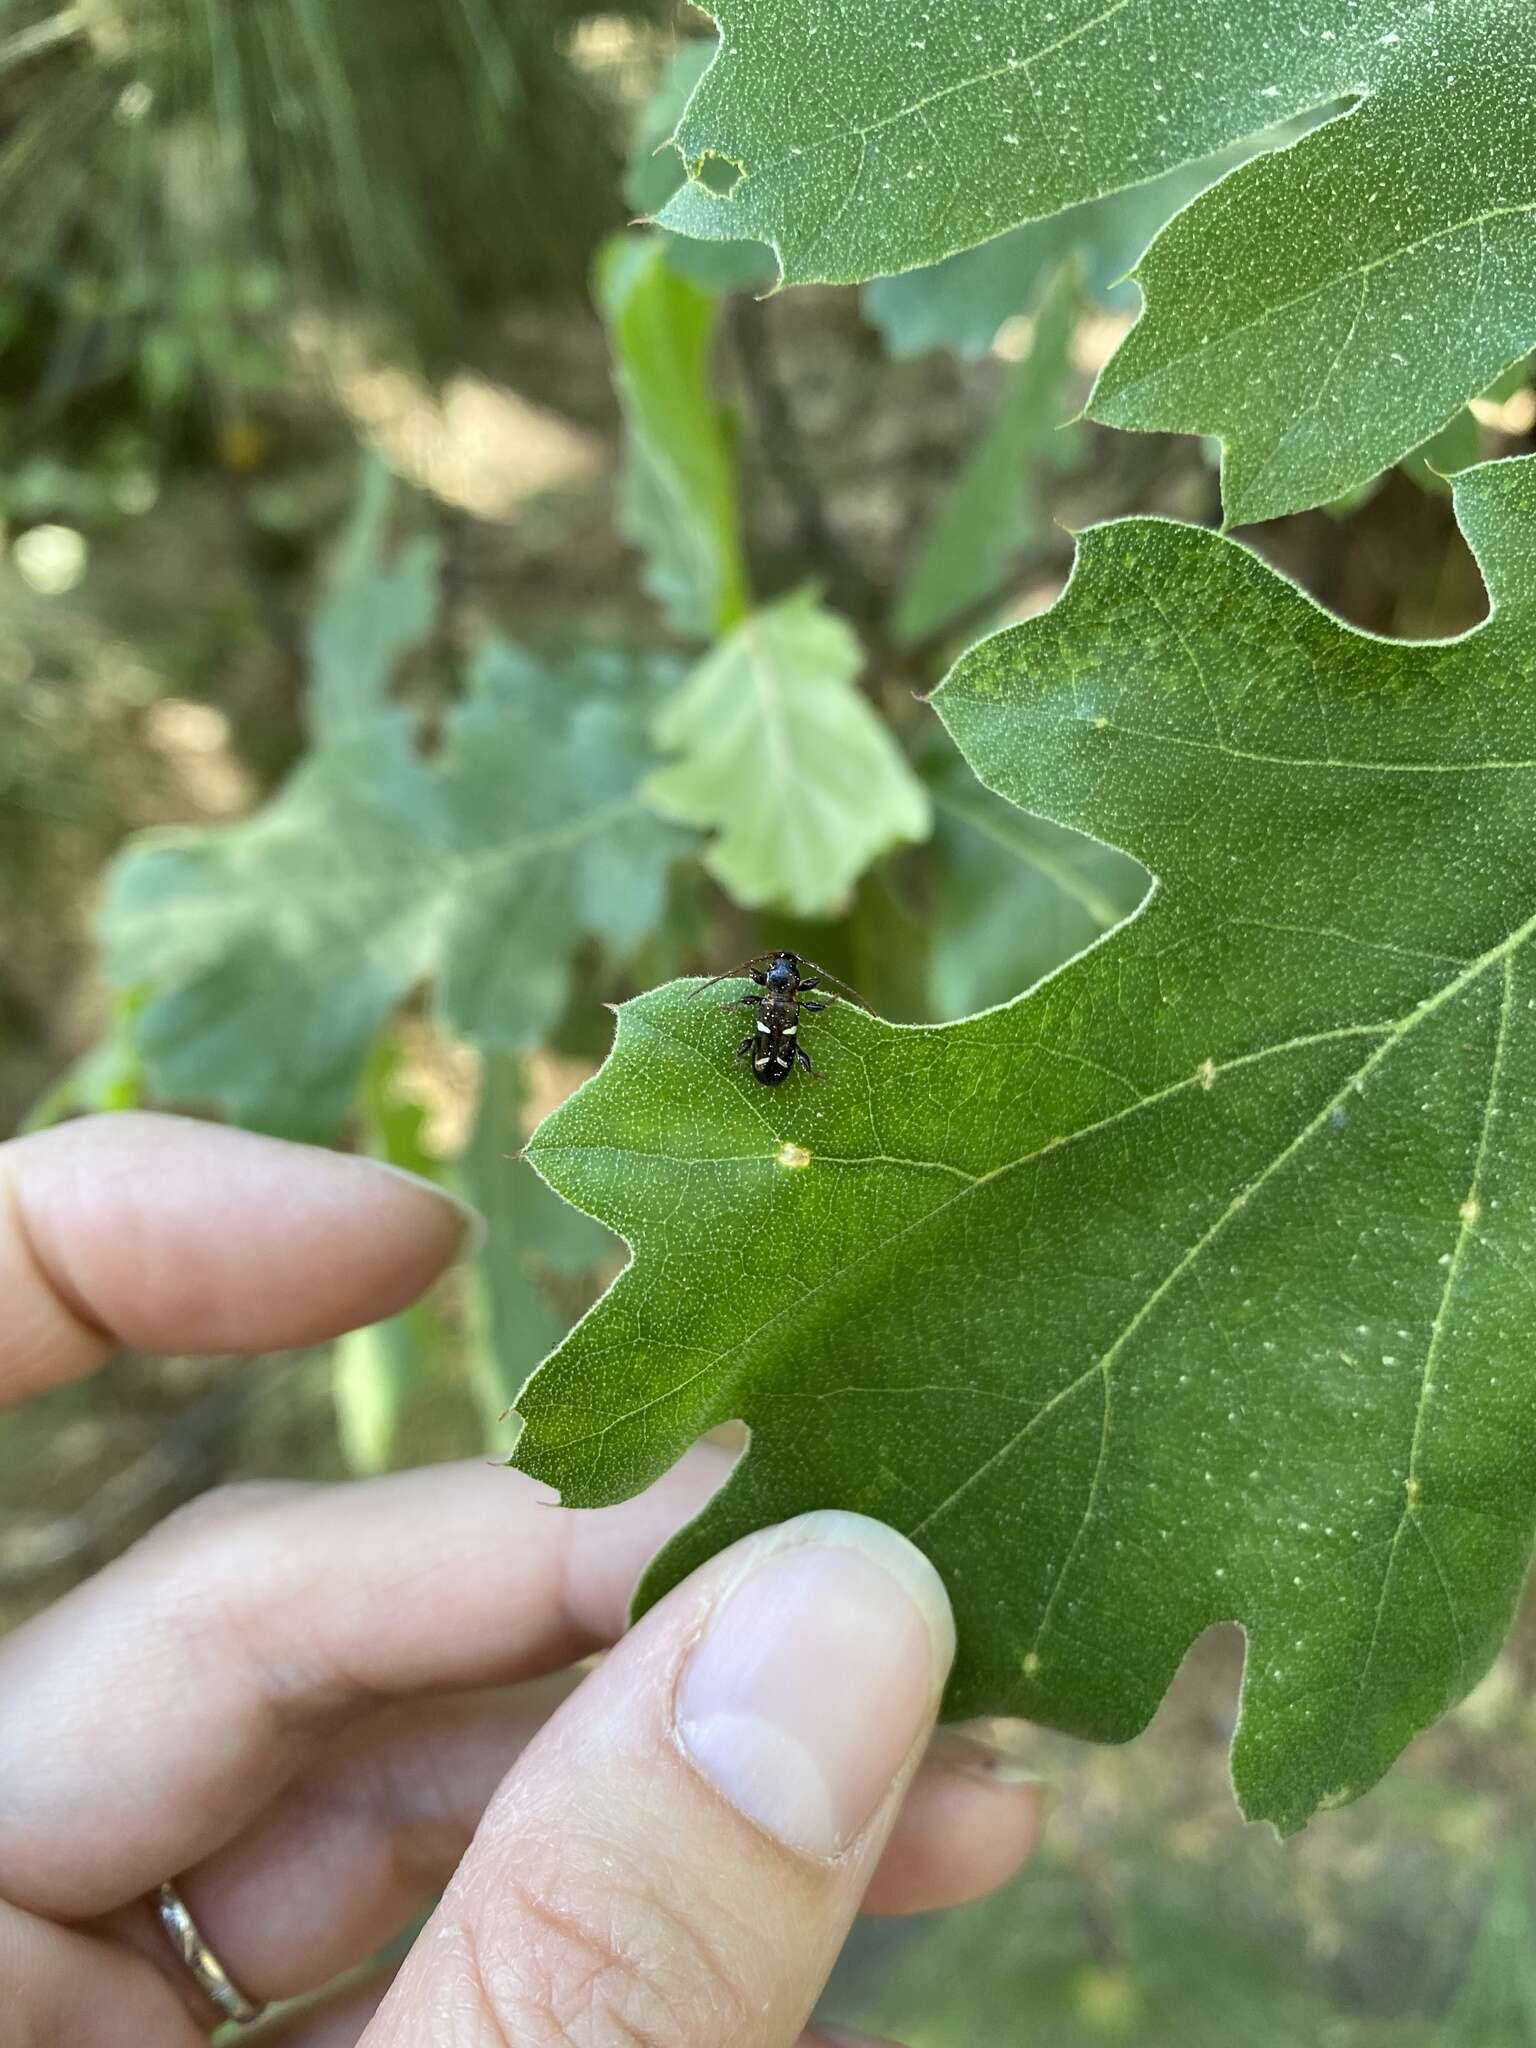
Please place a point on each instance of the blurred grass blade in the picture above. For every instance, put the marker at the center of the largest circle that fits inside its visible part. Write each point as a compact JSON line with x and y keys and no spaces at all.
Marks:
{"x":679,"y":493}
{"x":201,"y":171}
{"x":375,"y":1370}
{"x":372,"y":1371}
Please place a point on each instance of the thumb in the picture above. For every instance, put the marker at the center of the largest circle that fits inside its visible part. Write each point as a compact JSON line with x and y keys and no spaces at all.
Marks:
{"x":678,"y":1855}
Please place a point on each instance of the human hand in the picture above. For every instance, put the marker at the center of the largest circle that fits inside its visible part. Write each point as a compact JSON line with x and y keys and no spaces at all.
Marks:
{"x":314,"y":1706}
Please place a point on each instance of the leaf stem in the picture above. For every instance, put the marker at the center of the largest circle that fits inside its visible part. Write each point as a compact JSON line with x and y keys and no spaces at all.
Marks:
{"x":849,"y":585}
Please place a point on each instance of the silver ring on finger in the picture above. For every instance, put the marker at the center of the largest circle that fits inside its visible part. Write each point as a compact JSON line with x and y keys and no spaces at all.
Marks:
{"x":204,"y":1967}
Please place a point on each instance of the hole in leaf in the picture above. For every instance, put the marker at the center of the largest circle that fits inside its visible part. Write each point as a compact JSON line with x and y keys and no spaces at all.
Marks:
{"x":716,"y":173}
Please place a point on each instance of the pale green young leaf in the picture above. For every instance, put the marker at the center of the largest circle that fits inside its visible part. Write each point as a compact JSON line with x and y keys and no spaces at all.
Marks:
{"x":679,"y":490}
{"x":1322,"y":311}
{"x":1187,"y":1288}
{"x":992,"y":508}
{"x":786,"y":762}
{"x":275,"y":949}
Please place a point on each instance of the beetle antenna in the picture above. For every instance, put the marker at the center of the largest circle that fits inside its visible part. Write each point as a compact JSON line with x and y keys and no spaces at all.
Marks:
{"x":847,"y":987}
{"x":752,"y":960}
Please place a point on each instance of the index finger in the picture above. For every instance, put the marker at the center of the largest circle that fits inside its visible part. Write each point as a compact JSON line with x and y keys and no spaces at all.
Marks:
{"x":174,"y":1235}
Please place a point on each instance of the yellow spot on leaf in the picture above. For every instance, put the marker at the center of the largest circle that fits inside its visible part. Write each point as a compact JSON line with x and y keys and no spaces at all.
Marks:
{"x":793,"y":1155}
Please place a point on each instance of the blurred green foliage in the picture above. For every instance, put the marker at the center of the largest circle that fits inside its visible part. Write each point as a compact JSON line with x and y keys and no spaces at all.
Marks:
{"x":179,"y":181}
{"x":1150,"y":1946}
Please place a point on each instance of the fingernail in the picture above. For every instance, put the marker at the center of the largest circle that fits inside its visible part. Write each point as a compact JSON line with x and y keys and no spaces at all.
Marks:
{"x":997,"y":1751}
{"x":818,"y":1672}
{"x":473,"y":1228}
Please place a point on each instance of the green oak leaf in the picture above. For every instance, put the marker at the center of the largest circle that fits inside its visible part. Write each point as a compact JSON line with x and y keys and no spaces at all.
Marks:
{"x":1322,"y":310}
{"x":786,"y":761}
{"x":866,"y":139}
{"x":1193,"y":1286}
{"x":678,"y":497}
{"x":274,"y":949}
{"x":1369,"y":280}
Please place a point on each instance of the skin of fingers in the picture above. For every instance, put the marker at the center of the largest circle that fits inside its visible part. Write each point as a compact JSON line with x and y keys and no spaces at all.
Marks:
{"x":679,"y":1853}
{"x":59,"y":1984}
{"x":241,"y":1634}
{"x":244,"y":1631}
{"x":958,"y":1836}
{"x":337,"y":2020}
{"x":369,"y":1834}
{"x":174,"y":1235}
{"x":69,"y":1986}
{"x":84,"y":1210}
{"x":357,"y":1845}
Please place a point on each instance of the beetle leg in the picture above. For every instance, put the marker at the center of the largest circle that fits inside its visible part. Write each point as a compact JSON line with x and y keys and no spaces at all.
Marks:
{"x":746,"y":1046}
{"x":809,"y":981}
{"x":813,"y":1006}
{"x":741,"y":1003}
{"x":805,"y":1060}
